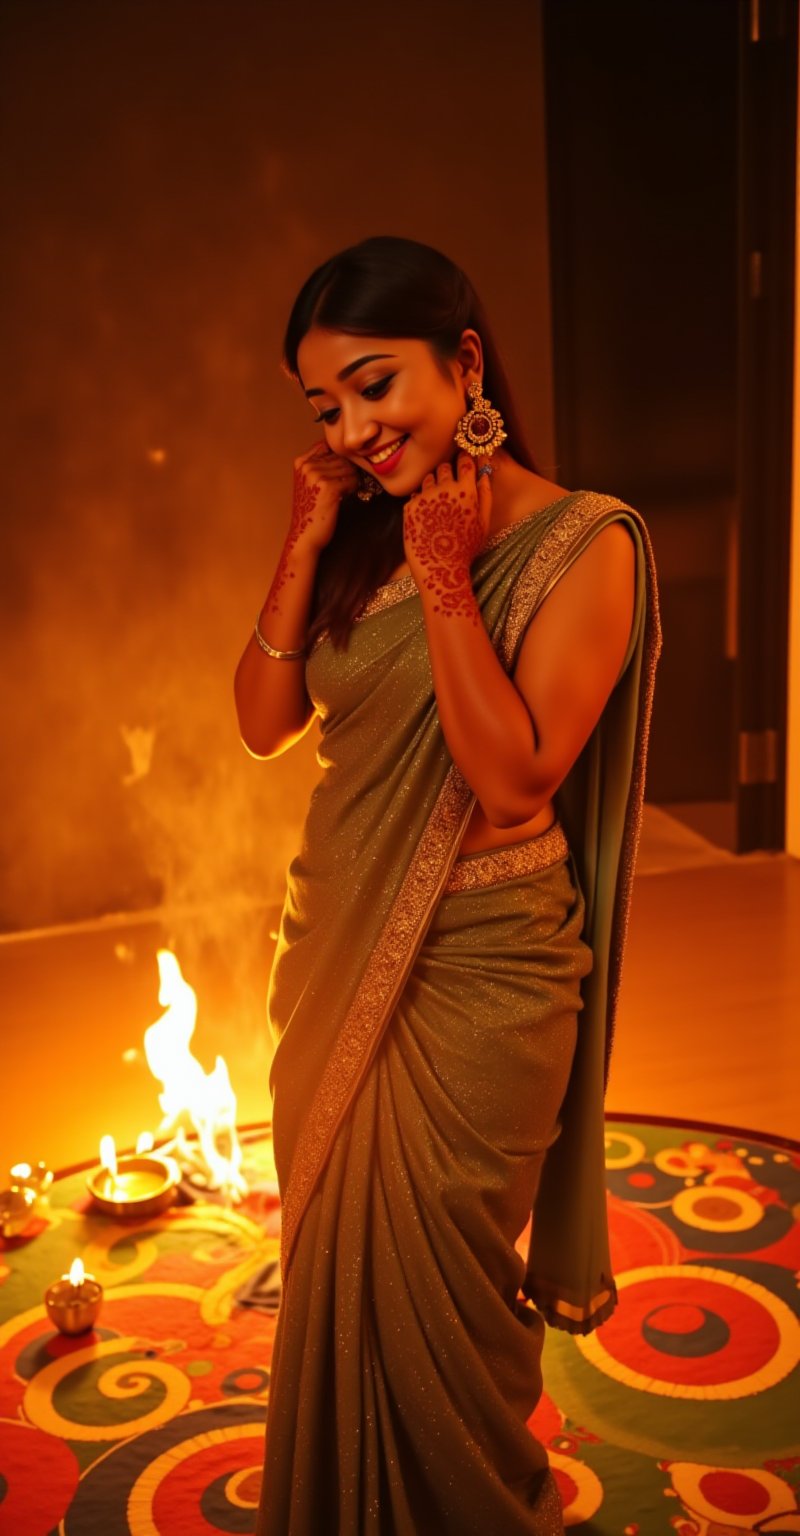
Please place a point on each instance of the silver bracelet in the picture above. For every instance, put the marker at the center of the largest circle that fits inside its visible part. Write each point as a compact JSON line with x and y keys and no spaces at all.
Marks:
{"x":271,"y":651}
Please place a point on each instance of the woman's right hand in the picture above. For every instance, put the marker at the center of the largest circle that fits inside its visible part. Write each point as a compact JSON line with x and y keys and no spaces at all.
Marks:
{"x":321,"y":479}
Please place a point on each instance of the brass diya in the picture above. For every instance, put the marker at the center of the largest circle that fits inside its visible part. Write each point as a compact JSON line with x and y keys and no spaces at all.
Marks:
{"x":73,"y":1302}
{"x":35,"y":1176}
{"x":17,"y":1208}
{"x":143,"y":1184}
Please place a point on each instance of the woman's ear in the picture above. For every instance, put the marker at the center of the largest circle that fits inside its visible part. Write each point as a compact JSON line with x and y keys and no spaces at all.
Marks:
{"x":470,"y":353}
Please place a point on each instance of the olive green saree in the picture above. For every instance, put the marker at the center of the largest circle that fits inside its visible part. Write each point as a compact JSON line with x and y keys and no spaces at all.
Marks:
{"x":444,"y":1028}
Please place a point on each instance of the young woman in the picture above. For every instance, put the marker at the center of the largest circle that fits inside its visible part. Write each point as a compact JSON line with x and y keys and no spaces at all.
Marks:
{"x":479,"y":644}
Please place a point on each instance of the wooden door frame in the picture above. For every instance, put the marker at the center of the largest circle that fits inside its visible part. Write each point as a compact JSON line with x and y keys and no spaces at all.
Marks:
{"x":766,"y":303}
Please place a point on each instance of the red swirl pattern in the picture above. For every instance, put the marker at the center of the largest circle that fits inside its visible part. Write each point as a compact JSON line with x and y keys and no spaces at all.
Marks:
{"x":303,"y":502}
{"x":155,"y":1421}
{"x":443,"y":536}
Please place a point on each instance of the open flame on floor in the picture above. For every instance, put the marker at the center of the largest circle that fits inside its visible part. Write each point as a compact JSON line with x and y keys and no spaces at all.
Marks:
{"x":192,"y":1100}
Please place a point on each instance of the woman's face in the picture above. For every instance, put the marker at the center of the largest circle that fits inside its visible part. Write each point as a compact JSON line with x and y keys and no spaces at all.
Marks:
{"x":365,"y":402}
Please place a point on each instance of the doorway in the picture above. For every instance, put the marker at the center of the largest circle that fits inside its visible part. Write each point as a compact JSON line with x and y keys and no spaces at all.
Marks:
{"x":671,"y":190}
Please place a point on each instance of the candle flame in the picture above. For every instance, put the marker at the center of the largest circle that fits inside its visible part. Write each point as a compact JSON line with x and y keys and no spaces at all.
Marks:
{"x":77,"y":1272}
{"x":144,"y":1141}
{"x":108,"y":1155}
{"x":21,"y":1171}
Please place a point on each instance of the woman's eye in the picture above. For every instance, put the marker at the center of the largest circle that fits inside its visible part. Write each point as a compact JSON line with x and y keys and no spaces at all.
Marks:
{"x":382,"y":386}
{"x":371,"y":391}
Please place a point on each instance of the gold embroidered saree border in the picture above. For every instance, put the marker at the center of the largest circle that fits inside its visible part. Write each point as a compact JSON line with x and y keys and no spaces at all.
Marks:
{"x":386,"y":596}
{"x":392,"y":592}
{"x":490,"y":866}
{"x":380,"y":985}
{"x":543,"y":568}
{"x":392,"y":957}
{"x":571,"y":1319}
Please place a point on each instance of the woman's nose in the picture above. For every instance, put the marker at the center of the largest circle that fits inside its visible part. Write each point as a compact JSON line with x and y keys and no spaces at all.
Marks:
{"x":359,"y":433}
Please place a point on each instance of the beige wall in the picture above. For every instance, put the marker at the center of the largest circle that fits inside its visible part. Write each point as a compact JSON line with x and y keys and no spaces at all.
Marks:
{"x":174,"y":173}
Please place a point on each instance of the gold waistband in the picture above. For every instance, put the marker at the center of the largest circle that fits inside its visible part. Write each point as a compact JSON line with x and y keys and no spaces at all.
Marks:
{"x":492,"y":865}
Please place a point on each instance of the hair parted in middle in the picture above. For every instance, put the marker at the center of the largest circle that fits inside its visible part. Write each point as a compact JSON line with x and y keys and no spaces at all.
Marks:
{"x":388,"y":285}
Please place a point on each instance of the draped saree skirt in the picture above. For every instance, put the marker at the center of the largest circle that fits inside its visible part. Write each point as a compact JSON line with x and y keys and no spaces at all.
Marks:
{"x":406,"y":1364}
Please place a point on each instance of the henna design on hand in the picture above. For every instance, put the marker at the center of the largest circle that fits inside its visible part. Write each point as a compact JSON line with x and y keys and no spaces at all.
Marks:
{"x":443,"y":541}
{"x":304,"y":499}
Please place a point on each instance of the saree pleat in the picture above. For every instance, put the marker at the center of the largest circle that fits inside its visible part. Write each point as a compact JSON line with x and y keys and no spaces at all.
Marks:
{"x":443,"y":1030}
{"x":407,"y":1365}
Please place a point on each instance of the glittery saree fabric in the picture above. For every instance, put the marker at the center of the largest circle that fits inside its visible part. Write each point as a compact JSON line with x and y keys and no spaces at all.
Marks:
{"x":443,"y":1029}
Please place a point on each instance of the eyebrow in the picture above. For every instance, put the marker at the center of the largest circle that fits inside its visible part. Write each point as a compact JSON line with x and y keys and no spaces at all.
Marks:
{"x":351,"y":368}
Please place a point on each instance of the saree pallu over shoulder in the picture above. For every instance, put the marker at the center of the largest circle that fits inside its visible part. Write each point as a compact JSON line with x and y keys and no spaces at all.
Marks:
{"x":384,"y":828}
{"x":599,"y":804}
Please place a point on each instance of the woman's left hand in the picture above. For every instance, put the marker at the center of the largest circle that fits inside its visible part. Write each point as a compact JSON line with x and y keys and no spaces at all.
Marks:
{"x":445,"y":526}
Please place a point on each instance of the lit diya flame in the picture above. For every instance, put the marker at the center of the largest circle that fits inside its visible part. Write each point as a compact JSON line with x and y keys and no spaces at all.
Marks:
{"x":108,"y":1158}
{"x":73,"y":1301}
{"x":206,"y":1098}
{"x":141,"y":1184}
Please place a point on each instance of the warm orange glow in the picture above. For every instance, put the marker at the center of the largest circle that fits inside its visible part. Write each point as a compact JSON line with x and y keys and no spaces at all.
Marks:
{"x":207,"y":1098}
{"x":793,"y":649}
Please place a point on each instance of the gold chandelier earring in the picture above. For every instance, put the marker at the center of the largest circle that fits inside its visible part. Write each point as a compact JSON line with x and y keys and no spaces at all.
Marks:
{"x":481,"y":429}
{"x":368,"y":487}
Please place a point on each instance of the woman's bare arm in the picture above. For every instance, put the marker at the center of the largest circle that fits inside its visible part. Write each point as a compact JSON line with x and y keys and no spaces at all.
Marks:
{"x":272,"y":701}
{"x":515,"y":740}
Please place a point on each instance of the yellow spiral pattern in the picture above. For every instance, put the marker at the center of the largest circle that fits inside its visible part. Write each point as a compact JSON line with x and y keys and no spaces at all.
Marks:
{"x":144,"y":1490}
{"x":40,"y":1410}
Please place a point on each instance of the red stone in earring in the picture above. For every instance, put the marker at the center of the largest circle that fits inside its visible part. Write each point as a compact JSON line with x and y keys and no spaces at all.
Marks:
{"x":481,"y":429}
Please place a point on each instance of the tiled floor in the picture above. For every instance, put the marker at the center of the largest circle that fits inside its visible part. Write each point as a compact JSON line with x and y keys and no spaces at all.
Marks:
{"x":709,"y":1020}
{"x":708,"y":1024}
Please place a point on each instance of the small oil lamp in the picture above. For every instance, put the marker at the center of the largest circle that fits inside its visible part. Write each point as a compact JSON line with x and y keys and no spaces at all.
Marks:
{"x":141,"y":1184}
{"x":25,"y":1197}
{"x":35,"y":1176}
{"x":17,"y":1207}
{"x":73,"y":1302}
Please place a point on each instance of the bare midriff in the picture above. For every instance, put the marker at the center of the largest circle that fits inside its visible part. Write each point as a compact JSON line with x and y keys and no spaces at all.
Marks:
{"x":481,"y":835}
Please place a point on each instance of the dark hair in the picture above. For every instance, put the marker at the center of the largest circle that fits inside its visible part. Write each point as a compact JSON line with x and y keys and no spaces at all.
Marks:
{"x":388,"y":286}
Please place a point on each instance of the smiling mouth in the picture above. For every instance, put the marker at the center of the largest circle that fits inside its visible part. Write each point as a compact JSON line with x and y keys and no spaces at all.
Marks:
{"x":389,"y":451}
